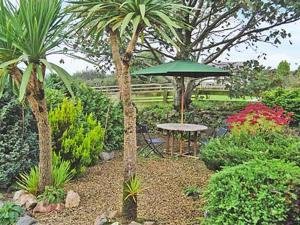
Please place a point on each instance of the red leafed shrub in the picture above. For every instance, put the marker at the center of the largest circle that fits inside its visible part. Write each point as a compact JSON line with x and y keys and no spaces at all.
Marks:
{"x":258,"y":116}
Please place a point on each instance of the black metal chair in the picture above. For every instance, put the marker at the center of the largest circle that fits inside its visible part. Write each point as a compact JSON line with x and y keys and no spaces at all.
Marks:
{"x":219,"y":133}
{"x":153,"y":144}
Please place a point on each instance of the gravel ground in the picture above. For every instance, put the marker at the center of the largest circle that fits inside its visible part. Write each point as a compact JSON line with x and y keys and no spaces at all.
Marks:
{"x":162,"y":199}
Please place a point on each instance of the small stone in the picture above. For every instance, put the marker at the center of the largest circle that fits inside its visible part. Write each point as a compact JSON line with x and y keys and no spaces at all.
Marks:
{"x":72,"y":199}
{"x":101,"y":220}
{"x":26,"y":220}
{"x":134,"y":223}
{"x":106,"y":156}
{"x":18,"y":194}
{"x":149,"y":223}
{"x":26,"y":199}
{"x":115,"y":223}
{"x":43,"y":207}
{"x":112,"y":214}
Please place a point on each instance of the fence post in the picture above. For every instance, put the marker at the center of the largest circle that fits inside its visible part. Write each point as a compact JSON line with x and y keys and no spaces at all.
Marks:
{"x":165,"y":96}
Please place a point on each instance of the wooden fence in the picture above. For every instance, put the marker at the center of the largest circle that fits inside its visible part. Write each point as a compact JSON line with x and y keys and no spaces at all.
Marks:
{"x":154,"y":92}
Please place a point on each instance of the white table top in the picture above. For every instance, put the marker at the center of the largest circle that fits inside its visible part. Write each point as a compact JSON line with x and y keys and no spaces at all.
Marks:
{"x":182,"y":127}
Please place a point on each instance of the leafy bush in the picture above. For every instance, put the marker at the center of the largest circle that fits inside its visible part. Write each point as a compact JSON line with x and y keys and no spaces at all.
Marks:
{"x":18,"y":139}
{"x":52,"y":195}
{"x":61,"y":174}
{"x":235,"y":149}
{"x":257,"y":192}
{"x":109,"y":114}
{"x":77,"y":138}
{"x":9,"y":213}
{"x":289,"y":99}
{"x":257,"y":118}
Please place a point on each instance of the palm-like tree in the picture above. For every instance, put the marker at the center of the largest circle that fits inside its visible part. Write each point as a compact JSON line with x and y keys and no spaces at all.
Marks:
{"x":29,"y":31}
{"x":118,"y":18}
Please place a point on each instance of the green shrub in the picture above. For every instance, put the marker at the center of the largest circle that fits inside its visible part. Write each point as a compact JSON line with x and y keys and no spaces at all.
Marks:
{"x":257,"y":192}
{"x":52,"y":195}
{"x":235,"y":149}
{"x":9,"y":213}
{"x":288,"y":99}
{"x":109,"y":114}
{"x":77,"y":138}
{"x":18,"y":140}
{"x":61,"y":174}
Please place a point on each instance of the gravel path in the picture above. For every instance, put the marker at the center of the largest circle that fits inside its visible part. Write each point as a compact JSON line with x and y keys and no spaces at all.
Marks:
{"x":162,"y":199}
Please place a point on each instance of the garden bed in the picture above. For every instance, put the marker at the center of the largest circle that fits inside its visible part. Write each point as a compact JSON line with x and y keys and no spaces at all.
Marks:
{"x":162,"y":200}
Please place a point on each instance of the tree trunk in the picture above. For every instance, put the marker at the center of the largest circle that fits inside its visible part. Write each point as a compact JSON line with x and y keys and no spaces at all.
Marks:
{"x":36,"y":98}
{"x":178,"y":93}
{"x":37,"y":101}
{"x":188,"y":93}
{"x":130,"y":146}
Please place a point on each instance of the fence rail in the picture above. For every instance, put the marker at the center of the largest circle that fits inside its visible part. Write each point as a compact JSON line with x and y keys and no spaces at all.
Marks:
{"x":153,"y":88}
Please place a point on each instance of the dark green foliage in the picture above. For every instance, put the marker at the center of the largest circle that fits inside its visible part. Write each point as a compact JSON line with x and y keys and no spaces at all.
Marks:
{"x":257,"y":192}
{"x":233,"y":149}
{"x":52,"y":195}
{"x":18,"y":140}
{"x":9,"y":213}
{"x":288,"y":99}
{"x":109,"y":114}
{"x":211,"y":114}
{"x":77,"y":137}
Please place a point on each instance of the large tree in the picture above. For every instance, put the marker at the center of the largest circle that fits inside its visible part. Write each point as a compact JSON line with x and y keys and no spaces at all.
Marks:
{"x":30,"y":30}
{"x":216,"y":28}
{"x":123,"y":22}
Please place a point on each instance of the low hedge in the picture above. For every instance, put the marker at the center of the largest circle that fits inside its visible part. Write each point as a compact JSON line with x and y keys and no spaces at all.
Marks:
{"x":235,"y":149}
{"x":257,"y":192}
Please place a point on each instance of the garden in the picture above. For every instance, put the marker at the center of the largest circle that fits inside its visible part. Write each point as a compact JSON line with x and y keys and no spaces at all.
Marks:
{"x":71,"y":154}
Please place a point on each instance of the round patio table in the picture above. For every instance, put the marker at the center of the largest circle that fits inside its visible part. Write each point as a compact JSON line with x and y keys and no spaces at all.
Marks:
{"x":171,"y":128}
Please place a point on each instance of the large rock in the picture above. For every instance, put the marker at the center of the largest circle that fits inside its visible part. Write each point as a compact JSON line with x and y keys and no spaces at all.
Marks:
{"x":25,"y":199}
{"x":101,"y":220}
{"x":26,"y":220}
{"x":72,"y":199}
{"x":106,"y":156}
{"x":43,"y":207}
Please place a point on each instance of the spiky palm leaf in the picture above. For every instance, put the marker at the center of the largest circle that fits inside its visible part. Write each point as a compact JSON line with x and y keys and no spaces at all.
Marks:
{"x":29,"y":32}
{"x":128,"y":15}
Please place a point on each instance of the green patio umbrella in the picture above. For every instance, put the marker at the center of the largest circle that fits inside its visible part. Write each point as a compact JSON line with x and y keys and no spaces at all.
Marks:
{"x":181,"y":68}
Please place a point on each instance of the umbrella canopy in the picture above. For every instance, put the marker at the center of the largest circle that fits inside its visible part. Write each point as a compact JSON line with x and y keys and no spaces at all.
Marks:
{"x":180,"y":68}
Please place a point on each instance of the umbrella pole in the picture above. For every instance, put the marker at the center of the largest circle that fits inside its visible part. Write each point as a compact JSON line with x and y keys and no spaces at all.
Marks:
{"x":182,"y":100}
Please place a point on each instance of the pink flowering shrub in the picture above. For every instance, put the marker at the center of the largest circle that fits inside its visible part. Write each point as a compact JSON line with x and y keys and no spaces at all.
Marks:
{"x":259,"y":118}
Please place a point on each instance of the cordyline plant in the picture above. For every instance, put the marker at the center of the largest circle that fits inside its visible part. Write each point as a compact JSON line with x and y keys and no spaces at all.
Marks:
{"x":125,"y":21}
{"x":31,"y":30}
{"x":259,"y":118}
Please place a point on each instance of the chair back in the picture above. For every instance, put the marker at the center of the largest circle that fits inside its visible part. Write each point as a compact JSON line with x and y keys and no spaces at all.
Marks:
{"x":142,"y":129}
{"x":221,"y":132}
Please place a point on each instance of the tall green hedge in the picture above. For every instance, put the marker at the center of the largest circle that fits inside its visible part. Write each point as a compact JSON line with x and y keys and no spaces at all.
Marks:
{"x":18,"y":139}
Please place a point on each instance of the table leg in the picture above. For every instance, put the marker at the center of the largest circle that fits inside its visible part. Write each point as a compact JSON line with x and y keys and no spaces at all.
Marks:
{"x":173,"y":143}
{"x":189,"y":144}
{"x":181,"y":144}
{"x":196,"y":146}
{"x":168,"y":142}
